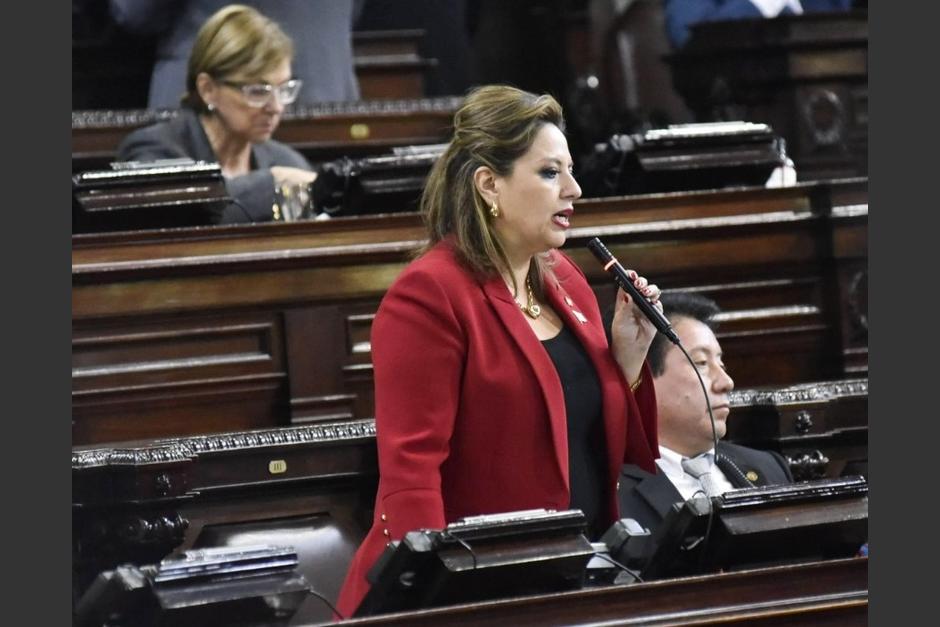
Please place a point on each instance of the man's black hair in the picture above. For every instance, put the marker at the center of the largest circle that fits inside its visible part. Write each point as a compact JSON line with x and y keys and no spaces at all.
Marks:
{"x":676,"y":305}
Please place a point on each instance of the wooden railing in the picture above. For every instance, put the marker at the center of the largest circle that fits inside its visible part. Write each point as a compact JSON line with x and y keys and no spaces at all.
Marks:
{"x":321,"y":132}
{"x":315,"y":485}
{"x":204,"y":330}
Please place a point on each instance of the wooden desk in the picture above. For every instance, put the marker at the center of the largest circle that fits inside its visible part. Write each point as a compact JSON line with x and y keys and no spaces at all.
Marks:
{"x":821,"y":427}
{"x":312,"y":487}
{"x":205,"y":330}
{"x":320,"y":132}
{"x":805,"y":75}
{"x":832,"y":593}
{"x":392,"y":75}
{"x":141,"y":501}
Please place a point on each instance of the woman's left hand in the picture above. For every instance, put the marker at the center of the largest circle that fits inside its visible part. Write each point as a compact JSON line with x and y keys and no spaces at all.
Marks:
{"x":631,"y":331}
{"x":287,"y":176}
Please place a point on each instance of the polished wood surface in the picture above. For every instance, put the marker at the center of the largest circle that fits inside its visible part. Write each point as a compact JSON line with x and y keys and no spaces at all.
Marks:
{"x":310,"y":487}
{"x":805,"y":75}
{"x":832,"y":593}
{"x":821,"y":427}
{"x":313,"y":486}
{"x":320,"y":132}
{"x":204,"y":330}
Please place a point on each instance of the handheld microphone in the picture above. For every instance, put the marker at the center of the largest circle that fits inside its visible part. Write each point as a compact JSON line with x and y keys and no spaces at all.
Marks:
{"x":613,"y":266}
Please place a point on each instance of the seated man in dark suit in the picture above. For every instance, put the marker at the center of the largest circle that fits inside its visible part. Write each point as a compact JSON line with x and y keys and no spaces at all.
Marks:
{"x":685,"y":431}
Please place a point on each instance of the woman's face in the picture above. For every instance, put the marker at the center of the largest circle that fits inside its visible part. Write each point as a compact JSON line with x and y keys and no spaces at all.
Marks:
{"x":535,"y":200}
{"x":241,"y":120}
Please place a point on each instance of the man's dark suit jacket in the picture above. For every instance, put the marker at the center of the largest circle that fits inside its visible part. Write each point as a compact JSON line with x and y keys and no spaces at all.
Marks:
{"x":646,"y":497}
{"x":183,"y":136}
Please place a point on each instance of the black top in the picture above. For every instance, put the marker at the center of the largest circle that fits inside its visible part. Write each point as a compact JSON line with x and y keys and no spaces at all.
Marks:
{"x":586,"y":440}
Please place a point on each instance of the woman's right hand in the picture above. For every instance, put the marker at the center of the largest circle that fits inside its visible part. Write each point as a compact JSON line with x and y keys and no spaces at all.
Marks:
{"x":286,"y":176}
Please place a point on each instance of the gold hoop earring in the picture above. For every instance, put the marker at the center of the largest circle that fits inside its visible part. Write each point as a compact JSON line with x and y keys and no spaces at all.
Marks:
{"x":494,"y":210}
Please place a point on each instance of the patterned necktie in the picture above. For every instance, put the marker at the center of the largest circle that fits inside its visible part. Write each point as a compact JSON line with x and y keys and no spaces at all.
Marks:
{"x":701,"y":468}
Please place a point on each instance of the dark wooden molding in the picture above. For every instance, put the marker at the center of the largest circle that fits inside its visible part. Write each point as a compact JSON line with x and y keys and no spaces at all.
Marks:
{"x":134,"y":118}
{"x":778,"y":261}
{"x":833,"y":592}
{"x":821,"y":428}
{"x":183,"y":449}
{"x":803,"y":393}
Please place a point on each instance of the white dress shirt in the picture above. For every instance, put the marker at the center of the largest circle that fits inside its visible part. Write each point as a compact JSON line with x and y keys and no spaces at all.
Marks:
{"x":670,"y":462}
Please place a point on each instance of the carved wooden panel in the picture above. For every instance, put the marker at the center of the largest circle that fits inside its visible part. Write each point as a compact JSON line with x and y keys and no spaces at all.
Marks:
{"x":321,"y":132}
{"x":775,"y":271}
{"x":806,"y":76}
{"x":314,"y":335}
{"x":368,"y":43}
{"x":821,"y":428}
{"x":159,"y":376}
{"x":853,"y":293}
{"x":392,"y":75}
{"x":314,"y":484}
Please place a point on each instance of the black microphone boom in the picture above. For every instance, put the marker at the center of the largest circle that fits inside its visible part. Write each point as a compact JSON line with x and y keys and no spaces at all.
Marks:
{"x":613,"y":266}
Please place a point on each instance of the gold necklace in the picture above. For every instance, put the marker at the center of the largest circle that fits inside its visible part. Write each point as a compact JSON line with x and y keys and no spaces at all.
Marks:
{"x":531,"y":308}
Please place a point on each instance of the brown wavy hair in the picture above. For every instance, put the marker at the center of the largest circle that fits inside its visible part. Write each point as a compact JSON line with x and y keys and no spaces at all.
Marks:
{"x":495,"y":125}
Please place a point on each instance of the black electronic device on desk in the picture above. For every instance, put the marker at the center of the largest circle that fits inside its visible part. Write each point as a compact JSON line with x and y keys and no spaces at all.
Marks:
{"x":148,"y":195}
{"x":371,"y":185}
{"x":762,"y":526}
{"x":248,"y":585}
{"x":684,"y":157}
{"x":481,"y":557}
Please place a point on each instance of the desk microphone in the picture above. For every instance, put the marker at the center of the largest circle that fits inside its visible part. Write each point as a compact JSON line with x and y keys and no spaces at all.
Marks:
{"x":613,"y":266}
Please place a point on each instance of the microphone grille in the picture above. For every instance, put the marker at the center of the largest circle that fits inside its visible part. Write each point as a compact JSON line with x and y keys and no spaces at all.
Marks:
{"x":600,"y":251}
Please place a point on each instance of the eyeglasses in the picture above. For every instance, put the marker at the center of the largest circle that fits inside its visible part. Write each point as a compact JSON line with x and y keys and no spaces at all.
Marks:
{"x":259,"y":94}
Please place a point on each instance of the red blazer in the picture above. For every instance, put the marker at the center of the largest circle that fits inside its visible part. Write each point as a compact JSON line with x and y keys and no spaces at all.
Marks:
{"x":470,"y":414}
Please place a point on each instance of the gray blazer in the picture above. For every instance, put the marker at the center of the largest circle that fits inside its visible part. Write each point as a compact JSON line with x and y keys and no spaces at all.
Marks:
{"x":647,"y":497}
{"x":184,"y":136}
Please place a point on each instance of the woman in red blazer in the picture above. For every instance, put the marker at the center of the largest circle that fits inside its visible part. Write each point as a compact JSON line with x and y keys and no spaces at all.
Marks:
{"x":495,"y":388}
